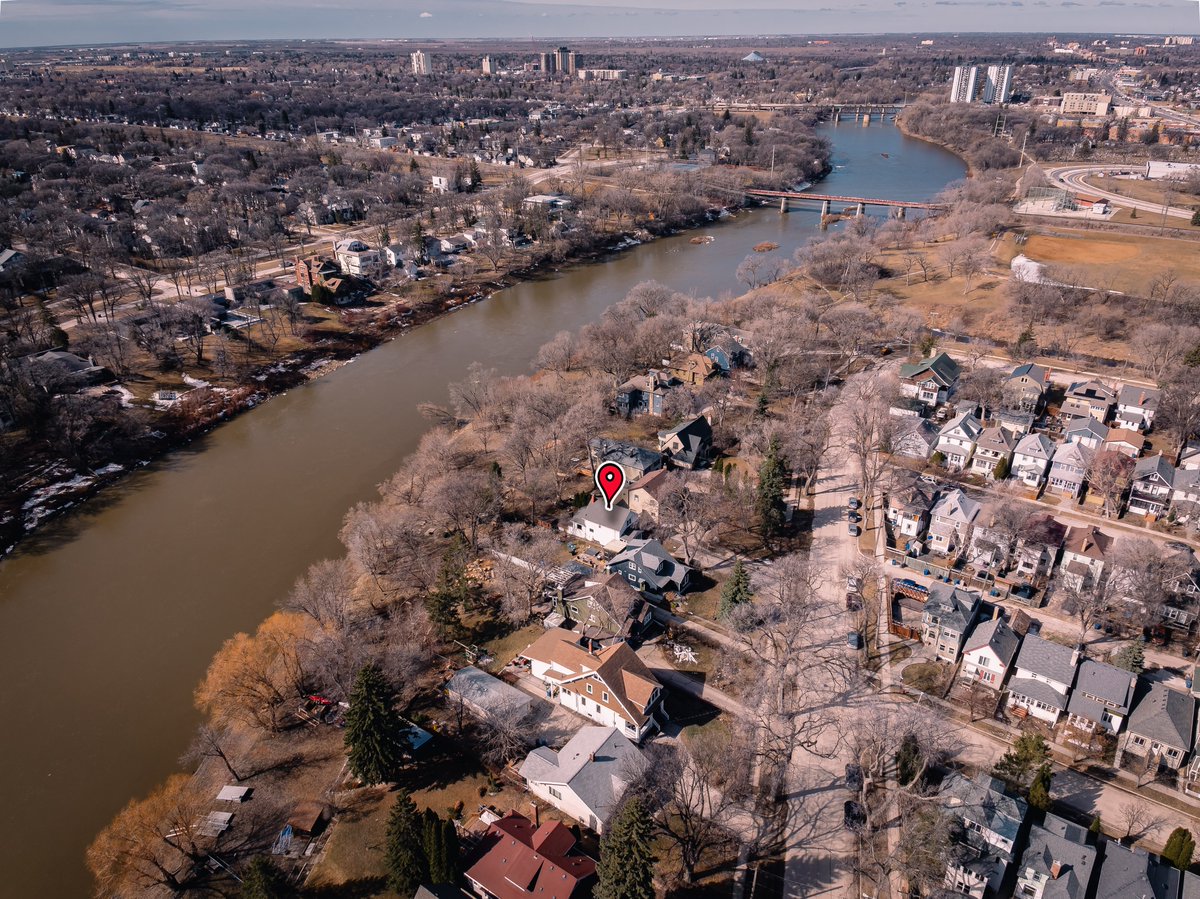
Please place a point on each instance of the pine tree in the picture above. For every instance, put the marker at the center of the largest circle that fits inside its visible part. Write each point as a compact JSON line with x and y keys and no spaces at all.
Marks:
{"x":431,"y":840}
{"x":407,"y":866}
{"x":264,"y":880}
{"x":1028,"y":754}
{"x":451,"y":871}
{"x":1180,"y":846}
{"x":626,"y":867}
{"x":452,"y":589}
{"x":375,"y":735}
{"x":1039,"y":791}
{"x":769,"y":504}
{"x":736,"y":590}
{"x":1096,"y":826}
{"x":1130,"y":657}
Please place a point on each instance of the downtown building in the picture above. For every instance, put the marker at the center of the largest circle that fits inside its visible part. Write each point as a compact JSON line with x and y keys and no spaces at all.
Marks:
{"x":422,"y":63}
{"x":981,"y":84}
{"x":559,"y":62}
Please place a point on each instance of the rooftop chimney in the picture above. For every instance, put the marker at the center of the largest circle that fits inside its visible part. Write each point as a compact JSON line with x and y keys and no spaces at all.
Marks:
{"x":996,"y":613}
{"x":533,"y":806}
{"x":1055,"y":870}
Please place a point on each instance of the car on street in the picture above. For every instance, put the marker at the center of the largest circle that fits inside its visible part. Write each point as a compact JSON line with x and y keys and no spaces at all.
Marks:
{"x":854,"y":502}
{"x":853,"y":516}
{"x":853,"y":530}
{"x":854,"y":816}
{"x":854,"y":777}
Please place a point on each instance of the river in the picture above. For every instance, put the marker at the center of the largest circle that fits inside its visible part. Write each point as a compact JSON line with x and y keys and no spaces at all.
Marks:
{"x":109,"y":617}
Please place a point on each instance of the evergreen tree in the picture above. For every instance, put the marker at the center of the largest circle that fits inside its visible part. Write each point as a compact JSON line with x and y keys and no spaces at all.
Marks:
{"x":431,"y":840}
{"x":736,"y":590}
{"x":908,"y":760}
{"x":1131,"y":657}
{"x":404,"y":849}
{"x":626,"y":867}
{"x":772,"y":479}
{"x":1029,"y":753}
{"x":1000,"y":472}
{"x":1196,"y":218}
{"x":1096,"y":826}
{"x":375,"y":735}
{"x":1039,"y":790}
{"x":1180,"y":846}
{"x":452,"y":589}
{"x":447,"y":869}
{"x":264,"y":880}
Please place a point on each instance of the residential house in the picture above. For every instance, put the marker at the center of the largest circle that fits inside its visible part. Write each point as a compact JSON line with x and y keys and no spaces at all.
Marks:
{"x":1057,"y":863}
{"x":1100,"y":698}
{"x":1015,"y":422}
{"x":1125,"y":441}
{"x":63,"y":369}
{"x":693,"y":369}
{"x":635,"y":461}
{"x":439,"y":184}
{"x":317,"y":271}
{"x":947,"y":617}
{"x":989,"y":651}
{"x":587,"y":777}
{"x":1150,"y":489}
{"x":1042,"y":679}
{"x":1086,"y":552}
{"x":1130,"y":873}
{"x":1031,"y":459}
{"x":603,"y":609}
{"x":1087,"y":432}
{"x":645,"y":394}
{"x":1185,"y":493}
{"x":953,"y":518}
{"x":1160,"y":730}
{"x":1068,"y":469}
{"x":357,"y":259}
{"x":1025,"y":387}
{"x":687,"y":445}
{"x":648,"y":566}
{"x":931,"y":380}
{"x":1136,"y":407}
{"x":908,"y":508}
{"x":1038,"y":546}
{"x":991,"y":822}
{"x":646,"y":492}
{"x":1089,"y":398}
{"x":453,"y":245}
{"x":10,"y":260}
{"x":1189,"y":459}
{"x":915,"y":438}
{"x":957,"y":439}
{"x":601,"y":525}
{"x":517,"y":860}
{"x":994,"y":446}
{"x":612,"y":686}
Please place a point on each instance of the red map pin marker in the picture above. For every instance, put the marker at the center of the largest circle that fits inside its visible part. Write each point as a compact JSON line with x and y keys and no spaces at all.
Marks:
{"x":610,"y":479}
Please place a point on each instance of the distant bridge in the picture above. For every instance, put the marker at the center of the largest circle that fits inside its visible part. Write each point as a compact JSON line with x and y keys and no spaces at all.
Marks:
{"x":787,"y":197}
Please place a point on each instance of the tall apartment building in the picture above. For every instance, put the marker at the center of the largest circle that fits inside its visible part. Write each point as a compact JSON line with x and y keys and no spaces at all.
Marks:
{"x":564,"y":61}
{"x":1086,"y":104}
{"x":547,"y":63}
{"x":977,"y":84}
{"x":489,"y":67}
{"x":422,"y":63}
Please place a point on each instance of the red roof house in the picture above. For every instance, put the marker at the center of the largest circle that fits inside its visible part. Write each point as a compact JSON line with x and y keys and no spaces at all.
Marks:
{"x":519,"y":861}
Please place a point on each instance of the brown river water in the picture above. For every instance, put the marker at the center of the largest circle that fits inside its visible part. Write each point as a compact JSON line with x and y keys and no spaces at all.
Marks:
{"x":109,"y":617}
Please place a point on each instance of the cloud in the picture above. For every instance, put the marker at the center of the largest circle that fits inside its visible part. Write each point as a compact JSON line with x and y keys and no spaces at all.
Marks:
{"x":426,"y":15}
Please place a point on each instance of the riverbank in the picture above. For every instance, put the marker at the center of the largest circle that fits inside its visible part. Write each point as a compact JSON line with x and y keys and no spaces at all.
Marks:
{"x":902,"y":127}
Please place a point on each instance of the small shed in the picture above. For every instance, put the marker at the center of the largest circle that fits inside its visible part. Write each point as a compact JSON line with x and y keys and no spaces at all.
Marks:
{"x":309,"y":818}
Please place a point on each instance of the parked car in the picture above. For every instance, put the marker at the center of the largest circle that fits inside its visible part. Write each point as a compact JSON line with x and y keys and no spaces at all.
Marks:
{"x":854,"y":816}
{"x":854,"y":777}
{"x":853,"y":530}
{"x":853,"y":516}
{"x":854,"y":502}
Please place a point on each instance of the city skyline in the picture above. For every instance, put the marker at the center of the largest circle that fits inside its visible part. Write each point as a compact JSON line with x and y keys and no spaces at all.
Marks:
{"x":24,"y":23}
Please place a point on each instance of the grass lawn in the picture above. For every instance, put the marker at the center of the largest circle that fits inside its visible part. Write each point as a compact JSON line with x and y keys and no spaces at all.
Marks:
{"x":1148,"y":191}
{"x":1120,"y":260}
{"x":707,"y":603}
{"x":924,"y":676}
{"x":504,"y":649}
{"x":352,"y":864}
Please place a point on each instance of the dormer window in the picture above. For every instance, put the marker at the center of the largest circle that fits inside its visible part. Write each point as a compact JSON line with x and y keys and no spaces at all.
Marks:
{"x":589,"y":689}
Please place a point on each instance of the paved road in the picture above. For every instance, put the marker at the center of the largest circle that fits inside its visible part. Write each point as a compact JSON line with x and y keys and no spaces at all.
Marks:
{"x":1072,"y":178}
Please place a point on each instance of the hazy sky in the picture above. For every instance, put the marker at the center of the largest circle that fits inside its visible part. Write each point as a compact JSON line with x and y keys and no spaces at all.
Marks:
{"x":51,"y":22}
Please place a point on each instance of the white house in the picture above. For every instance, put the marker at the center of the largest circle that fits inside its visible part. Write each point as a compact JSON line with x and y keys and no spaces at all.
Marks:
{"x":1101,"y":697}
{"x":995,"y":445}
{"x":1068,"y":469}
{"x":1136,"y":407}
{"x":1086,"y":431}
{"x":1031,"y":459}
{"x":357,"y":259}
{"x":600,"y":525}
{"x":1150,"y":490}
{"x":988,"y":653}
{"x":1042,"y":678}
{"x":611,"y":686}
{"x":587,"y":777}
{"x":957,"y":439}
{"x":953,"y":518}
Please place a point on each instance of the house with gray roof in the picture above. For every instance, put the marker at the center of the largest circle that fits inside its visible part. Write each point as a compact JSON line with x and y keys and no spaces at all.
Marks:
{"x":991,"y":822}
{"x":907,"y":509}
{"x":1128,"y":873}
{"x":915,"y":438}
{"x":1038,"y":546}
{"x":1086,"y":431}
{"x":587,"y":777}
{"x":1150,"y":489}
{"x":1025,"y":387}
{"x":687,"y":445}
{"x":988,"y":653}
{"x":600,"y":524}
{"x":1058,"y":863}
{"x":648,"y":566}
{"x":1068,"y":469}
{"x":1043,"y":675}
{"x":635,"y":460}
{"x":645,"y":394}
{"x":1136,"y":407}
{"x":947,"y":617}
{"x":1101,"y":697}
{"x":995,"y":445}
{"x":957,"y":439}
{"x":1160,"y":731}
{"x":953,"y":518}
{"x":1031,"y":459}
{"x":485,"y":696}
{"x":931,"y":380}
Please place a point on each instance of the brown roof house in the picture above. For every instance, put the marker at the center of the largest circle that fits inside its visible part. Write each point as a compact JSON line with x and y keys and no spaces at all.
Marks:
{"x":646,"y":492}
{"x":516,"y":860}
{"x":693,"y":369}
{"x":611,"y":686}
